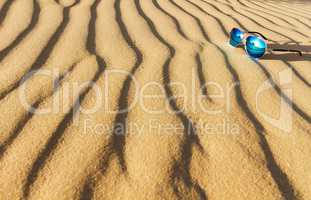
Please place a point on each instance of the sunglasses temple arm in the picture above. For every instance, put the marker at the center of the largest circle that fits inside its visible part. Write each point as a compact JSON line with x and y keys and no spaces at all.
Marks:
{"x":258,"y":34}
{"x":288,"y":50}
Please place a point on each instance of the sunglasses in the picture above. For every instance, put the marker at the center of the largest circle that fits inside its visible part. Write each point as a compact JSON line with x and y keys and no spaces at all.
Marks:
{"x":254,"y":43}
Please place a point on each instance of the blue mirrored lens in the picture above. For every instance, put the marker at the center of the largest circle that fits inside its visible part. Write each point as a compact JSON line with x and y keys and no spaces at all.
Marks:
{"x":236,"y":37}
{"x":255,"y":46}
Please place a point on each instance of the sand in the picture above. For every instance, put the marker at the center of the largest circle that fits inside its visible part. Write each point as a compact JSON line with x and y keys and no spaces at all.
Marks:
{"x":145,"y":99}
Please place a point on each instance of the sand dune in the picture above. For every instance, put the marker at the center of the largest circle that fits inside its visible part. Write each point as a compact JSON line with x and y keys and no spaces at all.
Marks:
{"x":145,"y":99}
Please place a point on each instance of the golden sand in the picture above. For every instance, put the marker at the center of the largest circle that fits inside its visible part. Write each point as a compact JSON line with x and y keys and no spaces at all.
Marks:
{"x":151,"y":102}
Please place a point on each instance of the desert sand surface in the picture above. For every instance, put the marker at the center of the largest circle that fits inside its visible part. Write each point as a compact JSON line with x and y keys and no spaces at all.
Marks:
{"x":146,"y":99}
